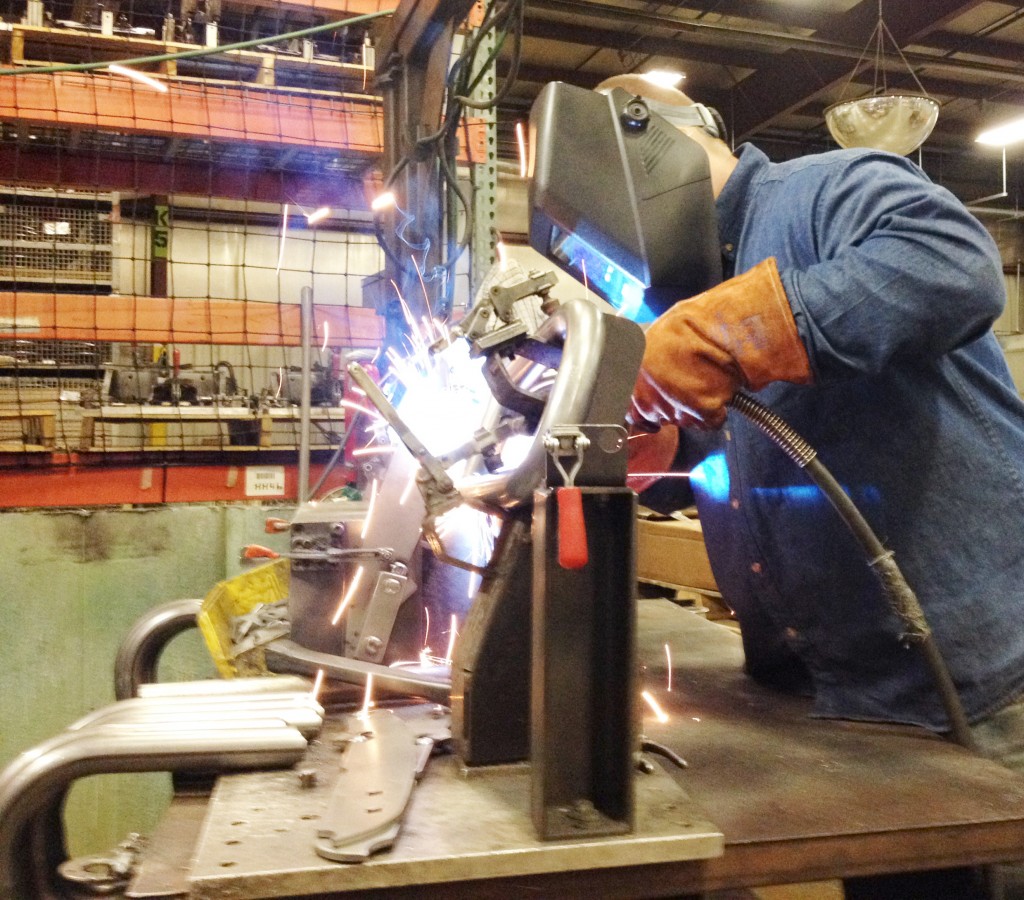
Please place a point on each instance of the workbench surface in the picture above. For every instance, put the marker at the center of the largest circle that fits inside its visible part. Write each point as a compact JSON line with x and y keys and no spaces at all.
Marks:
{"x":797,"y":800}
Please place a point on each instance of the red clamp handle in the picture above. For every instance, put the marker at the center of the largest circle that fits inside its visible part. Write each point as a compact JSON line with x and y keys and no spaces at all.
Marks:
{"x":572,"y":529}
{"x":257,"y":551}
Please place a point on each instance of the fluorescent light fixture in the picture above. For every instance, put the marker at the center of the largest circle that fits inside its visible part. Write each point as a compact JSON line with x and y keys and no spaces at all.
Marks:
{"x":521,"y":142}
{"x":383,"y":201}
{"x":140,"y":77}
{"x":1009,"y":133}
{"x":664,"y":77}
{"x":318,"y":215}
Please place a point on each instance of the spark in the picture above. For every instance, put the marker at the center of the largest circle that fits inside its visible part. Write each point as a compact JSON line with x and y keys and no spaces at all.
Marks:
{"x":318,"y":683}
{"x":349,"y":594}
{"x":405,"y":306}
{"x":383,"y":201}
{"x":408,"y":489}
{"x":586,"y":281}
{"x":394,"y":358}
{"x":369,"y":512}
{"x":284,"y":234}
{"x":368,"y":703}
{"x":659,"y":713}
{"x":453,"y":633}
{"x":374,"y":450}
{"x":417,"y":342}
{"x":140,"y":77}
{"x":327,"y":332}
{"x":428,"y":328}
{"x":658,"y":475}
{"x":349,"y":404}
{"x":668,"y":658}
{"x":280,"y":381}
{"x":426,"y":629}
{"x":423,"y":284}
{"x":521,"y":142}
{"x":318,"y":215}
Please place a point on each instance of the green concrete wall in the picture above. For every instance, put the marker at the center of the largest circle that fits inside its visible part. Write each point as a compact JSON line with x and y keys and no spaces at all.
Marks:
{"x":73,"y":582}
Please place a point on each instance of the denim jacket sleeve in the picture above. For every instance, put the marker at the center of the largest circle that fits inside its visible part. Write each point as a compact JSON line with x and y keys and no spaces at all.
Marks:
{"x":902,"y":270}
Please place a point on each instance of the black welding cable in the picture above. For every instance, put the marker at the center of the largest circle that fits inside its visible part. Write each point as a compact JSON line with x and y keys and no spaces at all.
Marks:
{"x":900,"y":595}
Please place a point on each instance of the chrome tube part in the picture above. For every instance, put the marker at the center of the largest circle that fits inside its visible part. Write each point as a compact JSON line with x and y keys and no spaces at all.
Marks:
{"x":300,"y":711}
{"x":579,"y":328}
{"x":139,"y":653}
{"x":306,"y":388}
{"x":38,"y":778}
{"x":257,"y":684}
{"x":307,"y":717}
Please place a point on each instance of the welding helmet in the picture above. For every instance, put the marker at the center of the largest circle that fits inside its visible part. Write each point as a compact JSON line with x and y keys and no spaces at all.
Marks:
{"x":621,"y":199}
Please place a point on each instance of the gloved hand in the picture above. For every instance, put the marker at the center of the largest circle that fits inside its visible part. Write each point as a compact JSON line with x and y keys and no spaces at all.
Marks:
{"x":738,"y":334}
{"x":650,"y":454}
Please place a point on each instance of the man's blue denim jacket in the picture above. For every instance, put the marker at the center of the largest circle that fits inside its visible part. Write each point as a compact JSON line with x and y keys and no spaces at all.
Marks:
{"x":894,"y":287}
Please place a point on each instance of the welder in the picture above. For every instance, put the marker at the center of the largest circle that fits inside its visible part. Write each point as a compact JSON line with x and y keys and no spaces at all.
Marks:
{"x":857,"y":301}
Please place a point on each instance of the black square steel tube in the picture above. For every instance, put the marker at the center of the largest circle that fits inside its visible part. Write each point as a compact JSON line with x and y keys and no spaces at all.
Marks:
{"x":584,"y":710}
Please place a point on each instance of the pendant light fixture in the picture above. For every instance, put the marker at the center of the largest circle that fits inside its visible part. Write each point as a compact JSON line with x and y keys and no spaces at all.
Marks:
{"x":897,"y":121}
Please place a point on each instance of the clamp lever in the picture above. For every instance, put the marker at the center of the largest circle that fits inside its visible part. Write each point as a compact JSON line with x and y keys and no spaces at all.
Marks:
{"x":564,"y":441}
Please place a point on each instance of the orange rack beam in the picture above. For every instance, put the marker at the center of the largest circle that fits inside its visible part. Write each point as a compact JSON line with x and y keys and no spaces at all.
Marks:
{"x":177,"y":320}
{"x":215,"y":112}
{"x":72,"y":484}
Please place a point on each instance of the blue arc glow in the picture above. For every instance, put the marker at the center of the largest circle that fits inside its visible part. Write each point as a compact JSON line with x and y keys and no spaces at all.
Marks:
{"x":602,"y":275}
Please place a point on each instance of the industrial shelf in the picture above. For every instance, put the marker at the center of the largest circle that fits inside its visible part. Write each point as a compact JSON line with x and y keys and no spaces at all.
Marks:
{"x":30,"y":45}
{"x":140,"y":319}
{"x":35,"y":429}
{"x":348,"y":122}
{"x":151,"y":428}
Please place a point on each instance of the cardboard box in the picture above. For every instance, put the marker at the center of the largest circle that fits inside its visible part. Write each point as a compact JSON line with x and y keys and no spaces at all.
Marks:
{"x":672,"y":551}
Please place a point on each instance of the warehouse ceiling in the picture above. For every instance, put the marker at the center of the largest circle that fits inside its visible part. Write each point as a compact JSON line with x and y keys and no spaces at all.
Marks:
{"x":771,"y":67}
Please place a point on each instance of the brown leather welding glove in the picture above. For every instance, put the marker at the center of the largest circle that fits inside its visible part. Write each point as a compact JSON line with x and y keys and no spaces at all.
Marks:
{"x":650,"y":455}
{"x":738,"y":334}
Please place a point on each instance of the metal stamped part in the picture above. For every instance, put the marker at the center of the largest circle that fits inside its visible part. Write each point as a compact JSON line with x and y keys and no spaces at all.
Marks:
{"x":258,"y":841}
{"x":379,"y":768}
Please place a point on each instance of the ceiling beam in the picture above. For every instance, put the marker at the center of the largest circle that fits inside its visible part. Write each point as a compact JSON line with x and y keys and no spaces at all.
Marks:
{"x":992,"y":48}
{"x":681,"y":46}
{"x":778,"y":14}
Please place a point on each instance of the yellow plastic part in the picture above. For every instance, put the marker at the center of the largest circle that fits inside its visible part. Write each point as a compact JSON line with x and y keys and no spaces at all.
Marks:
{"x":236,"y":597}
